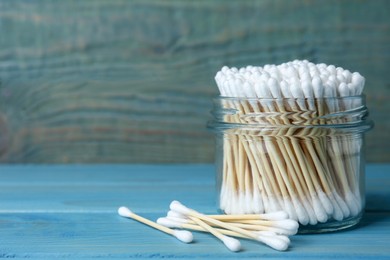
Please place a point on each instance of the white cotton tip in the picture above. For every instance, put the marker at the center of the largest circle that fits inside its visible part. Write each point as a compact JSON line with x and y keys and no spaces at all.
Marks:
{"x":223,"y":196}
{"x":318,"y":88}
{"x":175,"y":214}
{"x":326,"y":203}
{"x":273,"y":234}
{"x":168,"y":223}
{"x":309,"y":210}
{"x":225,"y":89}
{"x":264,"y":91}
{"x":314,"y":72}
{"x":307,"y":89}
{"x":228,"y":201}
{"x":183,"y":235}
{"x":343,"y":206}
{"x":266,"y":203}
{"x":319,"y":210}
{"x":274,"y":242}
{"x":291,"y":72}
{"x":285,"y":89}
{"x":341,"y":79}
{"x":257,"y":87}
{"x":347,"y":75}
{"x":287,"y":224}
{"x":225,"y":69}
{"x":352,"y":89}
{"x":302,"y":215}
{"x":332,"y":69}
{"x":234,"y":70}
{"x":234,"y":205}
{"x":289,"y":208}
{"x":337,"y":212}
{"x":282,"y":231}
{"x":321,"y":66}
{"x":249,"y":67}
{"x":178,"y":207}
{"x":125,"y":212}
{"x":241,"y":206}
{"x":296,"y":91}
{"x":248,"y":90}
{"x":247,"y":201}
{"x":179,"y":220}
{"x":274,"y":88}
{"x":352,"y":204}
{"x":257,"y":203}
{"x":284,"y":238}
{"x":273,"y":204}
{"x":343,"y":90}
{"x":265,"y":76}
{"x":356,"y":77}
{"x":277,"y":215}
{"x":219,"y":76}
{"x":232,"y":244}
{"x":266,"y":233}
{"x":305,"y":76}
{"x":238,"y":83}
{"x":330,"y":89}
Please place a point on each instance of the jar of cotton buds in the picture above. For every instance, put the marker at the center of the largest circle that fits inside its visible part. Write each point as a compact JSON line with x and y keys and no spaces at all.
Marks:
{"x":291,"y":137}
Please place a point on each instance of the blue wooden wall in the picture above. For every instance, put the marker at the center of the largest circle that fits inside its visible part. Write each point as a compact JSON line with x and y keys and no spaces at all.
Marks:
{"x":131,"y":81}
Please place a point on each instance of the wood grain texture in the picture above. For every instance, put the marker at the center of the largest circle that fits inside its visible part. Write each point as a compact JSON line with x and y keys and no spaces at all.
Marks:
{"x":99,"y":235}
{"x":131,"y":81}
{"x":50,"y":212}
{"x":75,"y":189}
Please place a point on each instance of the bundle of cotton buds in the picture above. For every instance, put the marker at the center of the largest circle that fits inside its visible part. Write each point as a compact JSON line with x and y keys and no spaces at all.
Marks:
{"x":310,"y":172}
{"x":271,"y":229}
{"x":296,"y":79}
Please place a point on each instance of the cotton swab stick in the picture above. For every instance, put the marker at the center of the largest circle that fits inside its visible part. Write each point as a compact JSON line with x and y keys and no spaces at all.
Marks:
{"x":177,"y":206}
{"x":284,"y":227}
{"x":231,"y":243}
{"x":173,"y":223}
{"x":277,"y":215}
{"x":183,"y":235}
{"x":266,"y":237}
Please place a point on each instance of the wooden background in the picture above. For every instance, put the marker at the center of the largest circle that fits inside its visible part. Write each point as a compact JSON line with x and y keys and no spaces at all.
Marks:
{"x":131,"y":81}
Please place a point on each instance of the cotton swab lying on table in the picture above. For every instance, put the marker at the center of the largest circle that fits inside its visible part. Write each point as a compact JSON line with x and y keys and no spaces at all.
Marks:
{"x":231,"y":243}
{"x":278,"y":244}
{"x":266,"y":237}
{"x":283,"y":226}
{"x":183,"y":235}
{"x":278,"y":215}
{"x":276,"y":226}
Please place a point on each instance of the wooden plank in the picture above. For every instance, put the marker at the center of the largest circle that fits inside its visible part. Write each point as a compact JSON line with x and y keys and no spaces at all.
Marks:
{"x":104,"y":188}
{"x":145,"y":188}
{"x":64,"y":211}
{"x":131,"y":81}
{"x":93,"y":235}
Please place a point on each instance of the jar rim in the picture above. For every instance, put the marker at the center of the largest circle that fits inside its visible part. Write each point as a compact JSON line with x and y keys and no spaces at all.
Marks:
{"x":229,"y":113}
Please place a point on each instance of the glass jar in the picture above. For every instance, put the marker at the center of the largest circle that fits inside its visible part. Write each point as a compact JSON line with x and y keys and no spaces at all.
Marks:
{"x":303,"y":156}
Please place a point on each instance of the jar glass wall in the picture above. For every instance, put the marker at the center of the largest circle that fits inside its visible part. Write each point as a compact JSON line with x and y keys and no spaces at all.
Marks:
{"x":279,"y":154}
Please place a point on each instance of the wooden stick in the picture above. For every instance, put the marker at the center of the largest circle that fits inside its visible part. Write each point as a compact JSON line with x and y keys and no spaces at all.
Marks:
{"x":231,"y":243}
{"x":182,"y":235}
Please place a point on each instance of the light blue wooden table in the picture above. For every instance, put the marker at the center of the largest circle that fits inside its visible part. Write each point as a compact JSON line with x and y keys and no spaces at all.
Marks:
{"x":49,"y":212}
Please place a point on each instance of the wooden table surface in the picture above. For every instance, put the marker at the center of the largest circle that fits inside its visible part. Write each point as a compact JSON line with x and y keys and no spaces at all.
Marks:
{"x":70,"y":211}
